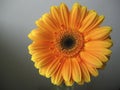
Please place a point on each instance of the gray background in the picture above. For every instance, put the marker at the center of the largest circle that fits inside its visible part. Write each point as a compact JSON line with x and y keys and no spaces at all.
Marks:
{"x":17,"y":19}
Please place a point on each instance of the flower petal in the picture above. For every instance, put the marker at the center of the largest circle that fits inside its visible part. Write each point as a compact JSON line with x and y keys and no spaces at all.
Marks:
{"x":101,"y":56}
{"x":43,"y":61}
{"x":49,"y":22}
{"x":98,"y":44}
{"x":76,"y":71}
{"x":39,"y":56}
{"x":83,"y":14}
{"x":34,"y":35}
{"x":99,"y":33}
{"x":42,"y":71}
{"x":104,"y":51}
{"x":92,"y":70}
{"x":95,"y":24}
{"x":85,"y":73}
{"x":55,"y":12}
{"x":66,"y":70}
{"x":37,"y":35}
{"x":69,"y":83}
{"x":54,"y":65}
{"x":89,"y":19}
{"x":57,"y":77}
{"x":92,"y":60}
{"x":64,"y":14}
{"x":75,"y":15}
{"x":42,"y":26}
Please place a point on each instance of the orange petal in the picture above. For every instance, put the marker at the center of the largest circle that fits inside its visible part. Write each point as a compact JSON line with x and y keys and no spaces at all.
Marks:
{"x":104,"y":51}
{"x":69,"y":83}
{"x":57,"y":77}
{"x":42,"y":27}
{"x":98,"y":44}
{"x":34,"y":35}
{"x":100,"y":56}
{"x":55,"y":12}
{"x":37,"y":35}
{"x":75,"y":15}
{"x":64,"y":14}
{"x":66,"y":70}
{"x":42,"y":71}
{"x":38,"y":55}
{"x":85,"y":72}
{"x":91,"y":59}
{"x":54,"y":65}
{"x":76,"y":71}
{"x":93,"y":71}
{"x":89,"y":19}
{"x":95,"y":24}
{"x":83,"y":14}
{"x":43,"y":61}
{"x":99,"y":33}
{"x":49,"y":22}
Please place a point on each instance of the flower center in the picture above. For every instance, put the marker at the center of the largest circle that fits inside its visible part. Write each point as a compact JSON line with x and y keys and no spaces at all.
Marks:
{"x":68,"y":42}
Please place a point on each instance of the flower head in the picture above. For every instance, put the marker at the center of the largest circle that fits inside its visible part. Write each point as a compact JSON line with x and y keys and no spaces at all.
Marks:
{"x":70,"y":45}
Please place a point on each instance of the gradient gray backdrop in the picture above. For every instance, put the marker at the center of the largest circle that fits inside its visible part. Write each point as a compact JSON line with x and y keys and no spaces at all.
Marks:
{"x":17,"y":19}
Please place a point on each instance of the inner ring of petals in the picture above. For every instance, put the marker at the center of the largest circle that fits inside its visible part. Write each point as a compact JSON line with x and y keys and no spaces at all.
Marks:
{"x":68,"y":42}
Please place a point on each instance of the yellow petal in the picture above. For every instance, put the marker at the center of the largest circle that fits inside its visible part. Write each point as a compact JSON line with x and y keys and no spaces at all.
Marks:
{"x":45,"y":64}
{"x":42,"y":54}
{"x":66,"y":70}
{"x":42,"y":58}
{"x":57,"y":77}
{"x":95,"y":24}
{"x":104,"y":51}
{"x":99,"y":33}
{"x":64,"y":14}
{"x":43,"y":27}
{"x":49,"y":22}
{"x":76,"y":71}
{"x":98,"y":21}
{"x":42,"y":71}
{"x":83,"y":14}
{"x":89,"y":19}
{"x":85,"y":72}
{"x":100,"y":56}
{"x":37,"y":35}
{"x":75,"y":15}
{"x":34,"y":35}
{"x":69,"y":83}
{"x":98,"y":44}
{"x":92,"y":70}
{"x":91,"y":59}
{"x":53,"y":67}
{"x":36,"y":64}
{"x":55,"y":12}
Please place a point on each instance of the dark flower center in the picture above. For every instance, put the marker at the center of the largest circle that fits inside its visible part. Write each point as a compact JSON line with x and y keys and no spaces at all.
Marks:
{"x":67,"y":42}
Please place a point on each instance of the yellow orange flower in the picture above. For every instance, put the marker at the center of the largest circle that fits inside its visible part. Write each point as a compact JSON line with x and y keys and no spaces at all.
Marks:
{"x":70,"y":45}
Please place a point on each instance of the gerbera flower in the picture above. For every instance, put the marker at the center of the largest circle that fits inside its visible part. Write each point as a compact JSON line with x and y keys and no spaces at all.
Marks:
{"x":70,"y":45}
